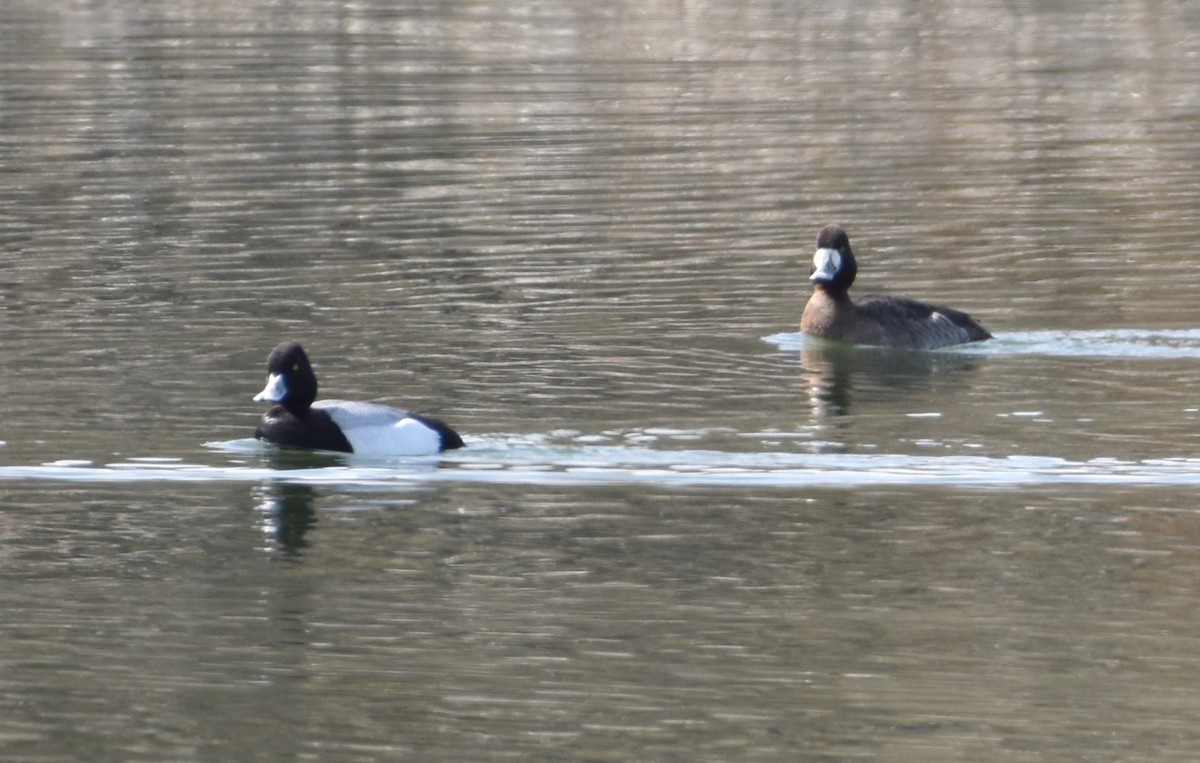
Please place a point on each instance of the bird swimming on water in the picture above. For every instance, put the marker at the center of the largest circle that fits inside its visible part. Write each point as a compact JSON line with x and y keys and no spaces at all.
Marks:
{"x":882,"y":321}
{"x":299,"y":420}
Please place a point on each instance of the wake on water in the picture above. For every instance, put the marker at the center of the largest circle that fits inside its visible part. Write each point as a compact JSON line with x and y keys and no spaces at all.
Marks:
{"x":518,"y":461}
{"x":1102,"y":343}
{"x":576,"y":460}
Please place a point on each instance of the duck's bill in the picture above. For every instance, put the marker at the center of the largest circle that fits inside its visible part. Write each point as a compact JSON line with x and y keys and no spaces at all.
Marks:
{"x":826,"y":263}
{"x":274,"y":392}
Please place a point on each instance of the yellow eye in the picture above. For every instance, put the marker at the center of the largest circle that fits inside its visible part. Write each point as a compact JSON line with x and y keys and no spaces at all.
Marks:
{"x":295,"y":366}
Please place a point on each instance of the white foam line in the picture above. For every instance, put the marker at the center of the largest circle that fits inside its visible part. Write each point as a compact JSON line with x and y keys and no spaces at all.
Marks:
{"x":1111,"y":343}
{"x":818,"y":470}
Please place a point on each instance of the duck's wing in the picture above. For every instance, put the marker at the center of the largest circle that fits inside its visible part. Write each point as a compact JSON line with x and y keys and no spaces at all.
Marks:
{"x":353,"y":415}
{"x":376,"y":429}
{"x":920,"y":325}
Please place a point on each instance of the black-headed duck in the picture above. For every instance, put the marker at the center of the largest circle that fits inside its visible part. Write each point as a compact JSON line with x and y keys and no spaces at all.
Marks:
{"x":299,"y":420}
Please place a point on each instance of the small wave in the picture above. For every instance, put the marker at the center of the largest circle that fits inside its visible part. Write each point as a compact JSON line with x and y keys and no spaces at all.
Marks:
{"x":522,"y":463}
{"x":1114,"y":343}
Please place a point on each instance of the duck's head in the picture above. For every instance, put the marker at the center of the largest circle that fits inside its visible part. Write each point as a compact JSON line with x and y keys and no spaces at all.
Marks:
{"x":833,"y":262}
{"x":291,"y":381}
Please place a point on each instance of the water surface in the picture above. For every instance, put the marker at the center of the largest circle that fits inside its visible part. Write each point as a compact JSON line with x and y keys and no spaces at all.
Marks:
{"x":580,"y":233}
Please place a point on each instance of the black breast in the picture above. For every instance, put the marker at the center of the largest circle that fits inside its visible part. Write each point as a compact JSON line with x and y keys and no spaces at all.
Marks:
{"x":313,"y":430}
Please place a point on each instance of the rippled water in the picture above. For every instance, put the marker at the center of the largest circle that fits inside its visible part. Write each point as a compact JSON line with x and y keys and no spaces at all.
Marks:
{"x":580,"y":234}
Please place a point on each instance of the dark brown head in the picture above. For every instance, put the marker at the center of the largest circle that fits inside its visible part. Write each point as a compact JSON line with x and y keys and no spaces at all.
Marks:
{"x":833,"y":263}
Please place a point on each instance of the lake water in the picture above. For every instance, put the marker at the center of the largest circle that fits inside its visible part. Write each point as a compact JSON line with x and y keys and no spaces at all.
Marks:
{"x":580,"y":233}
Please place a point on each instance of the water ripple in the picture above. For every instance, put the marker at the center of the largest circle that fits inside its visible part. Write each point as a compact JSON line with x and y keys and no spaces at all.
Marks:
{"x":587,"y":465}
{"x":1112,"y":343}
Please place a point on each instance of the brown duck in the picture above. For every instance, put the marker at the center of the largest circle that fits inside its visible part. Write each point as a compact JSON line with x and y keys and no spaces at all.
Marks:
{"x":881,"y":321}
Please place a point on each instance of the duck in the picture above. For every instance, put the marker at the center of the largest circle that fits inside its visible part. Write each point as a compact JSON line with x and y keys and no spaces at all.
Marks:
{"x":877,"y":320}
{"x":298,"y":420}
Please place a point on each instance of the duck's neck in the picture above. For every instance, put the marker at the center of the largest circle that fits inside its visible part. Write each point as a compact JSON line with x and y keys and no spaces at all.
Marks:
{"x":831,"y":292}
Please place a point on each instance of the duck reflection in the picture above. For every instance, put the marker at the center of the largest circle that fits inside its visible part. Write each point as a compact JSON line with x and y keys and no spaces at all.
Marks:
{"x":286,"y":508}
{"x":836,"y":372}
{"x":287,"y":513}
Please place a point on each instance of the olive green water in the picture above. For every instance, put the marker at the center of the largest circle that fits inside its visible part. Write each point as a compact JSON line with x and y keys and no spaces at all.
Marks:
{"x":580,"y":233}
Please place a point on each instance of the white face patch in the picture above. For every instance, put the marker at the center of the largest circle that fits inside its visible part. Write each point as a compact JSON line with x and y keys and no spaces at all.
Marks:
{"x":826,"y":264}
{"x":274,"y":392}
